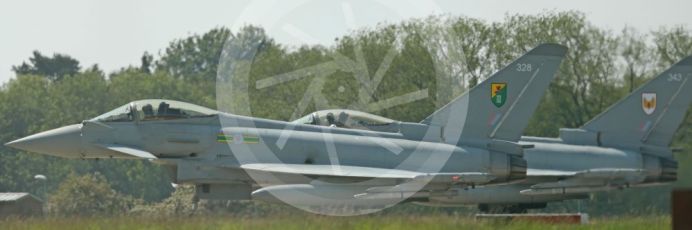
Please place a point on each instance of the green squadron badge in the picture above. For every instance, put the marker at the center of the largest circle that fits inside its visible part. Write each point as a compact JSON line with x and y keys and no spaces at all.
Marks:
{"x":498,"y":93}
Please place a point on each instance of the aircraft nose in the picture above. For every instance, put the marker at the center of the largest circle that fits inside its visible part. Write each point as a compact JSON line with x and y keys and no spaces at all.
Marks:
{"x":64,"y":141}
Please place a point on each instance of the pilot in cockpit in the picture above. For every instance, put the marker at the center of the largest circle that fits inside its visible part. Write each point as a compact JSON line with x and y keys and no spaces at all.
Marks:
{"x":331,"y":120}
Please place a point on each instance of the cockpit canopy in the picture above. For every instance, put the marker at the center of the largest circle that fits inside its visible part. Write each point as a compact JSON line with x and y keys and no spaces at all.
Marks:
{"x":344,"y":118}
{"x":155,"y":109}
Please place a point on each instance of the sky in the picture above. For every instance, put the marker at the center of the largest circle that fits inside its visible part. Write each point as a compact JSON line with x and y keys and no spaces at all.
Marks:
{"x":115,"y":34}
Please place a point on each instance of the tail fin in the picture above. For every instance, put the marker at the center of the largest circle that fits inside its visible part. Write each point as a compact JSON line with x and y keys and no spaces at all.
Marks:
{"x":500,"y":107}
{"x":651,"y":114}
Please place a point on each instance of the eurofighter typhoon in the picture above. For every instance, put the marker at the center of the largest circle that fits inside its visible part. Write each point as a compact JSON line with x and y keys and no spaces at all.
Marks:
{"x":625,"y":146}
{"x":358,"y":160}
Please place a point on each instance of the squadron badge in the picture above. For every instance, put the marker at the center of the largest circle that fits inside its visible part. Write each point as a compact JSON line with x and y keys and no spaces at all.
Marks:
{"x":649,"y":103}
{"x":498,"y":93}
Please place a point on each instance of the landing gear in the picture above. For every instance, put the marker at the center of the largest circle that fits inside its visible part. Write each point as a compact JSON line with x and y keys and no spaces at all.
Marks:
{"x":195,"y":203}
{"x":510,"y":208}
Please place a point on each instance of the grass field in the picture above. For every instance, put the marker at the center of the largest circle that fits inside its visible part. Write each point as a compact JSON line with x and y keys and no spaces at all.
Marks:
{"x":324,"y":222}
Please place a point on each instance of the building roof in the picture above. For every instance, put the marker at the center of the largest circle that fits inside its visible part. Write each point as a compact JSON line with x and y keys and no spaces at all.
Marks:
{"x":15,"y":196}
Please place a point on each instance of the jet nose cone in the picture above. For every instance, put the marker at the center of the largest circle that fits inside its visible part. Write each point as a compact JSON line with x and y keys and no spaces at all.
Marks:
{"x":65,"y":141}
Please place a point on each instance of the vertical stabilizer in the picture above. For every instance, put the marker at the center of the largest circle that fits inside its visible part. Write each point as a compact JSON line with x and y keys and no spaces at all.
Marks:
{"x":499,"y":108}
{"x":650,"y":115}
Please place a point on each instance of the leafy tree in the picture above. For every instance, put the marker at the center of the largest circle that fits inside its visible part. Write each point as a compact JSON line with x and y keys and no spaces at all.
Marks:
{"x":672,"y":44}
{"x":53,"y":68}
{"x":585,"y":82}
{"x":147,"y":62}
{"x":636,"y":54}
{"x":194,"y":58}
{"x":88,"y":195}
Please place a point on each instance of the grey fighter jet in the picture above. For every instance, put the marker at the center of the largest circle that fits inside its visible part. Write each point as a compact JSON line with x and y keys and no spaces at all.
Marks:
{"x":625,"y":146}
{"x":471,"y":141}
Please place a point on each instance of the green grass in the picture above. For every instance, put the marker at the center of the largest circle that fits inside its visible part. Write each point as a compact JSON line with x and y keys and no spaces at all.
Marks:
{"x":323,"y":222}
